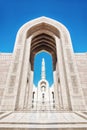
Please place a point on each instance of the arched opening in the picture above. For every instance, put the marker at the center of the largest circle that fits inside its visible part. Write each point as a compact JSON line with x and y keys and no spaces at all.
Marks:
{"x":43,"y":42}
{"x":43,"y":37}
{"x":48,"y":67}
{"x":43,"y":84}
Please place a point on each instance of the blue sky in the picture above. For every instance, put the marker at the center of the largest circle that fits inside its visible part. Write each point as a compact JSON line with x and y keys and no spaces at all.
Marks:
{"x":72,"y":13}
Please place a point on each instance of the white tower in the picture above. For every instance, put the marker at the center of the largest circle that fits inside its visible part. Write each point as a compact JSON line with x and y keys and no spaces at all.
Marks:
{"x":43,"y":75}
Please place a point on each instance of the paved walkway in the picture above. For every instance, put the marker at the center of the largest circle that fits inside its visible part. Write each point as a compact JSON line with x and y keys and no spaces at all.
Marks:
{"x":43,"y":119}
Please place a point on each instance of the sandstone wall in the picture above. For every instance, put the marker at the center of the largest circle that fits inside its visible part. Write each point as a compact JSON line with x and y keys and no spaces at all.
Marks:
{"x":5,"y":60}
{"x":81,"y":61}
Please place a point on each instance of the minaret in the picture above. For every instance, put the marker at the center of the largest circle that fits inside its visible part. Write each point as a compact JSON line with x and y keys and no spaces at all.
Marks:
{"x":43,"y":75}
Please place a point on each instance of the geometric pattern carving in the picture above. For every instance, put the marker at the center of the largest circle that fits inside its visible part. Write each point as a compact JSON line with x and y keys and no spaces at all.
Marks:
{"x":11,"y":84}
{"x":17,"y":55}
{"x":71,"y":67}
{"x":15,"y":67}
{"x":12,"y":80}
{"x":10,"y":90}
{"x":1,"y":92}
{"x":74,"y":83}
{"x":85,"y":92}
{"x":2,"y":81}
{"x":68,"y":52}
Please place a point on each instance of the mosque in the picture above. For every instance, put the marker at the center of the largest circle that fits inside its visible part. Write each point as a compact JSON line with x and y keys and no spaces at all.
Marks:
{"x":63,"y":106}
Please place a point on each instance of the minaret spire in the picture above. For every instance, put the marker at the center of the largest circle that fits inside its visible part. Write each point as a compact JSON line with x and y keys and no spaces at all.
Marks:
{"x":43,"y":75}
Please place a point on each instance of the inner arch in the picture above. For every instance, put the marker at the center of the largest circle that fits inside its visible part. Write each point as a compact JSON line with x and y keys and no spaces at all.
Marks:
{"x":48,"y":67}
{"x":43,"y":42}
{"x":41,"y":27}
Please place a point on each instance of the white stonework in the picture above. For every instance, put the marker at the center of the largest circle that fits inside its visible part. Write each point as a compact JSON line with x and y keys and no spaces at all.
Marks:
{"x":22,"y":105}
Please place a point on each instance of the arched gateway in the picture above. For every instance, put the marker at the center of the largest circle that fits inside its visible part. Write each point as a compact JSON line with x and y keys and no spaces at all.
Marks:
{"x":53,"y":37}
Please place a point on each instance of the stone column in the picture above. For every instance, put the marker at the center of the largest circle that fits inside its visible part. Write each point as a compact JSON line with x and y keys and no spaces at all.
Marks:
{"x":73,"y":86}
{"x":56,"y":94}
{"x":62,"y":74}
{"x":29,"y":105}
{"x":24,"y":75}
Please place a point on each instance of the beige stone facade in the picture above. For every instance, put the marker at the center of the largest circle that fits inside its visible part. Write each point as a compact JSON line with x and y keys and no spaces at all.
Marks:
{"x":70,"y":79}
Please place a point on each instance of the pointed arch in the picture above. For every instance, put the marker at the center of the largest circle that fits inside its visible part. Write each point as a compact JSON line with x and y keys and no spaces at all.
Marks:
{"x":43,"y":42}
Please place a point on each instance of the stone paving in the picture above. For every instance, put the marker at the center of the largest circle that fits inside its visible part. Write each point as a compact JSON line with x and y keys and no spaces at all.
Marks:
{"x":43,"y":120}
